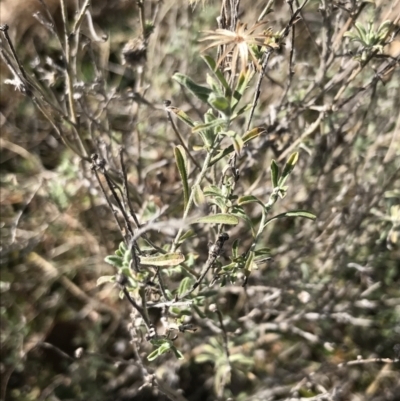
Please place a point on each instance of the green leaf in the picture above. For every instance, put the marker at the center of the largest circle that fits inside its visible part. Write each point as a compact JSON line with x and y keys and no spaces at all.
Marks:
{"x":239,"y":212}
{"x":242,"y":82}
{"x":114,"y":260}
{"x":202,"y":92}
{"x":219,"y":218}
{"x":292,"y":213}
{"x":249,"y":265}
{"x":248,"y":136}
{"x":220,"y":103}
{"x":214,"y":85}
{"x":105,"y":279}
{"x":237,"y":141}
{"x":165,"y":347}
{"x":253,"y":133}
{"x":262,"y":251}
{"x":177,"y":353}
{"x":169,"y":259}
{"x":198,"y":195}
{"x":153,"y":355}
{"x":244,"y":200}
{"x":182,"y":116}
{"x":188,"y":234}
{"x":206,"y":126}
{"x":220,"y":202}
{"x":288,"y":168}
{"x":185,"y":285}
{"x":235,"y":248}
{"x":213,"y":67}
{"x":181,"y":162}
{"x":122,"y":247}
{"x":212,"y":190}
{"x":127,"y":258}
{"x":240,"y":111}
{"x":274,"y":173}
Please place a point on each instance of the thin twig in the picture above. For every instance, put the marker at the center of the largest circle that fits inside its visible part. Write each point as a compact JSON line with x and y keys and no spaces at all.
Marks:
{"x":79,"y":19}
{"x":180,"y":138}
{"x":108,"y":201}
{"x":258,"y":86}
{"x":370,"y":360}
{"x":68,"y":77}
{"x":4,"y":29}
{"x":310,"y":130}
{"x":136,"y":306}
{"x":213,"y":254}
{"x":290,"y":67}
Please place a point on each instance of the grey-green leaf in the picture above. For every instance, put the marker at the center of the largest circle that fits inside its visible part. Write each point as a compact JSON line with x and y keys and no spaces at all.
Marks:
{"x":219,"y":218}
{"x":182,"y":116}
{"x":212,"y":65}
{"x":288,"y":168}
{"x":274,"y":174}
{"x":105,"y":279}
{"x":167,"y":260}
{"x":198,"y":195}
{"x":114,"y":260}
{"x":220,"y":103}
{"x":202,"y":92}
{"x":244,"y":200}
{"x":293,"y":213}
{"x":185,"y":285}
{"x":181,"y":162}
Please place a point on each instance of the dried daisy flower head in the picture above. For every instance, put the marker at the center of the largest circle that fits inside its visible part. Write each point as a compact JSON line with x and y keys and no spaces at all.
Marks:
{"x":241,"y":45}
{"x":134,"y":52}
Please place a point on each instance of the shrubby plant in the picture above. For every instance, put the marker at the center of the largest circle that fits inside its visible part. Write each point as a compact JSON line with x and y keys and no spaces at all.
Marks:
{"x":192,"y":200}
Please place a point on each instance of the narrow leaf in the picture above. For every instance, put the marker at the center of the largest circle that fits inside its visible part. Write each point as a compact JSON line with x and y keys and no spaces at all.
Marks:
{"x":239,"y":212}
{"x":253,"y":133}
{"x":244,"y":200}
{"x":177,"y":353}
{"x":212,"y":124}
{"x":220,"y":103}
{"x":202,"y":92}
{"x":212,"y":190}
{"x":236,"y":141}
{"x":105,"y":279}
{"x":181,"y":162}
{"x":199,"y":198}
{"x":219,"y":218}
{"x":262,"y":251}
{"x":235,"y":248}
{"x":182,"y":115}
{"x":274,"y":174}
{"x":153,"y":355}
{"x":114,"y":260}
{"x":242,"y":82}
{"x":214,"y":85}
{"x":248,"y":136}
{"x":248,"y":266}
{"x":241,"y":111}
{"x":293,"y":213}
{"x":170,"y":259}
{"x":212,"y":65}
{"x":188,"y":234}
{"x":288,"y":168}
{"x":185,"y":285}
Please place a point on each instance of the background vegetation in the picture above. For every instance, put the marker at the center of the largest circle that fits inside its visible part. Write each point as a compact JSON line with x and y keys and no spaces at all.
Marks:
{"x":319,"y":316}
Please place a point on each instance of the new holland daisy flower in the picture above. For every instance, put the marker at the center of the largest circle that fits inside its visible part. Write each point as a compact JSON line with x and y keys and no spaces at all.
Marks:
{"x":240,"y":45}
